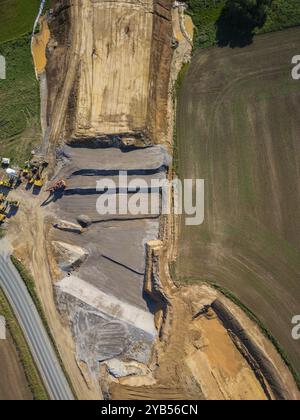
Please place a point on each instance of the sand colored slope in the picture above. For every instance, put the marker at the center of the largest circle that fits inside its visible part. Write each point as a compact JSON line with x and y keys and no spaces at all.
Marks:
{"x":39,"y":44}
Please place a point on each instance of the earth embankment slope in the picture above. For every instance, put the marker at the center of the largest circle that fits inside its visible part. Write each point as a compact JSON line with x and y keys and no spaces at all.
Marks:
{"x":118,"y":57}
{"x":238,"y":125}
{"x":107,"y":50}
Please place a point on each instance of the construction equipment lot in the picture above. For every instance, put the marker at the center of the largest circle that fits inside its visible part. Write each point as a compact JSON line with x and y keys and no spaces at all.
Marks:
{"x":238,"y":128}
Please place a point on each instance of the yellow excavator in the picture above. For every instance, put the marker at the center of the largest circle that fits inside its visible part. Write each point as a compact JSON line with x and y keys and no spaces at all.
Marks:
{"x":2,"y":218}
{"x":6,"y":182}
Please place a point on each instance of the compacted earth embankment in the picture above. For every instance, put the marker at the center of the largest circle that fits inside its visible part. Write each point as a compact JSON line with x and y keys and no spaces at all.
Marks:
{"x":105,"y":116}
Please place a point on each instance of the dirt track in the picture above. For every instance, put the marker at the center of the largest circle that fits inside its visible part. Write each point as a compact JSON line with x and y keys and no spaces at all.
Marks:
{"x":238,"y":128}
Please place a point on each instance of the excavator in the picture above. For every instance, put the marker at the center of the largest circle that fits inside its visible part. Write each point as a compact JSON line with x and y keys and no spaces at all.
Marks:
{"x":3,"y":206}
{"x":36,"y":176}
{"x":7,"y":182}
{"x":33,"y":173}
{"x":14,"y":204}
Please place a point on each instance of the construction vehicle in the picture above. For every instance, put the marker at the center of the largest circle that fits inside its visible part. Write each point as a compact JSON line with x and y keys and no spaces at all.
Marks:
{"x":3,"y":206}
{"x":39,"y":182}
{"x":34,"y":173}
{"x":57,"y":186}
{"x":14,"y":204}
{"x":25,"y":173}
{"x":2,"y":218}
{"x":7,"y":182}
{"x":18,"y":180}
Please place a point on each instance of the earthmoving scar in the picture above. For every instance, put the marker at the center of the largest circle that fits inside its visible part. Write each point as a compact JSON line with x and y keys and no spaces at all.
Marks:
{"x":33,"y":172}
{"x":57,"y":186}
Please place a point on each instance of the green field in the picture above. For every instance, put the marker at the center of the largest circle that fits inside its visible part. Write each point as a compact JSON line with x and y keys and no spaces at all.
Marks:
{"x":17,"y":17}
{"x":205,"y":13}
{"x":19,"y":102}
{"x":238,"y":128}
{"x":19,"y":93}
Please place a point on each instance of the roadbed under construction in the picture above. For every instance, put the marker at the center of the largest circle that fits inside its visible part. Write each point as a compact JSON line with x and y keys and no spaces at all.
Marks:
{"x":103,"y":262}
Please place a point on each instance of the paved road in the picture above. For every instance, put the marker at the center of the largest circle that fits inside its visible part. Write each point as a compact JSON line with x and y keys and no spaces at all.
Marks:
{"x":34,"y":331}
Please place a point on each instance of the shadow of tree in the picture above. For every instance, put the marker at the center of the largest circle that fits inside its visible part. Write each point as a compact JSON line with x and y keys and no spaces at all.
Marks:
{"x":237,"y":23}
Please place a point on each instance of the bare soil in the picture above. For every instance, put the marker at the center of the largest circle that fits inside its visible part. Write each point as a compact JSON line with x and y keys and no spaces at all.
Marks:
{"x":238,"y":125}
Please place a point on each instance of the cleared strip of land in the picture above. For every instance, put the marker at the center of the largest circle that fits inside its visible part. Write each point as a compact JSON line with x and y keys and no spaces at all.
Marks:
{"x":238,"y":128}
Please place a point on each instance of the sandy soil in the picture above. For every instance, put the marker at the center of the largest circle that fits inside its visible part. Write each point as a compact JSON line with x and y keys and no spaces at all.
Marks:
{"x":197,"y":360}
{"x":38,"y":47}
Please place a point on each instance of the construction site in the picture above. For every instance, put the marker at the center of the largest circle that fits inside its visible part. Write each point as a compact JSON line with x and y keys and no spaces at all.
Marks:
{"x":124,"y":329}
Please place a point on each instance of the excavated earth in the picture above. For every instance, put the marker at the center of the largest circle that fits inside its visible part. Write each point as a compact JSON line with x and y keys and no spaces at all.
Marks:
{"x":104,"y":298}
{"x":103,"y":118}
{"x":107,"y":106}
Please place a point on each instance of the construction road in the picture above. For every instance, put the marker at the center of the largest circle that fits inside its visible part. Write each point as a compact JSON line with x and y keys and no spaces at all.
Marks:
{"x":34,"y":331}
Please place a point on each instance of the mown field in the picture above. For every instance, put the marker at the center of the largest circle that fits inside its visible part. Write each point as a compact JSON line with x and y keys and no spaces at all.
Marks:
{"x":19,"y":102}
{"x":206,"y":13}
{"x":238,"y":128}
{"x":19,"y":94}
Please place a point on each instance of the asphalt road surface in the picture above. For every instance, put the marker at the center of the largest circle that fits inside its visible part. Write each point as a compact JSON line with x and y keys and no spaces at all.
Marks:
{"x":34,"y":331}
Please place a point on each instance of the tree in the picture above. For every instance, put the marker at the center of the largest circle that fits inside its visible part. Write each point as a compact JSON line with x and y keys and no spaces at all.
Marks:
{"x":247,"y":13}
{"x":238,"y":20}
